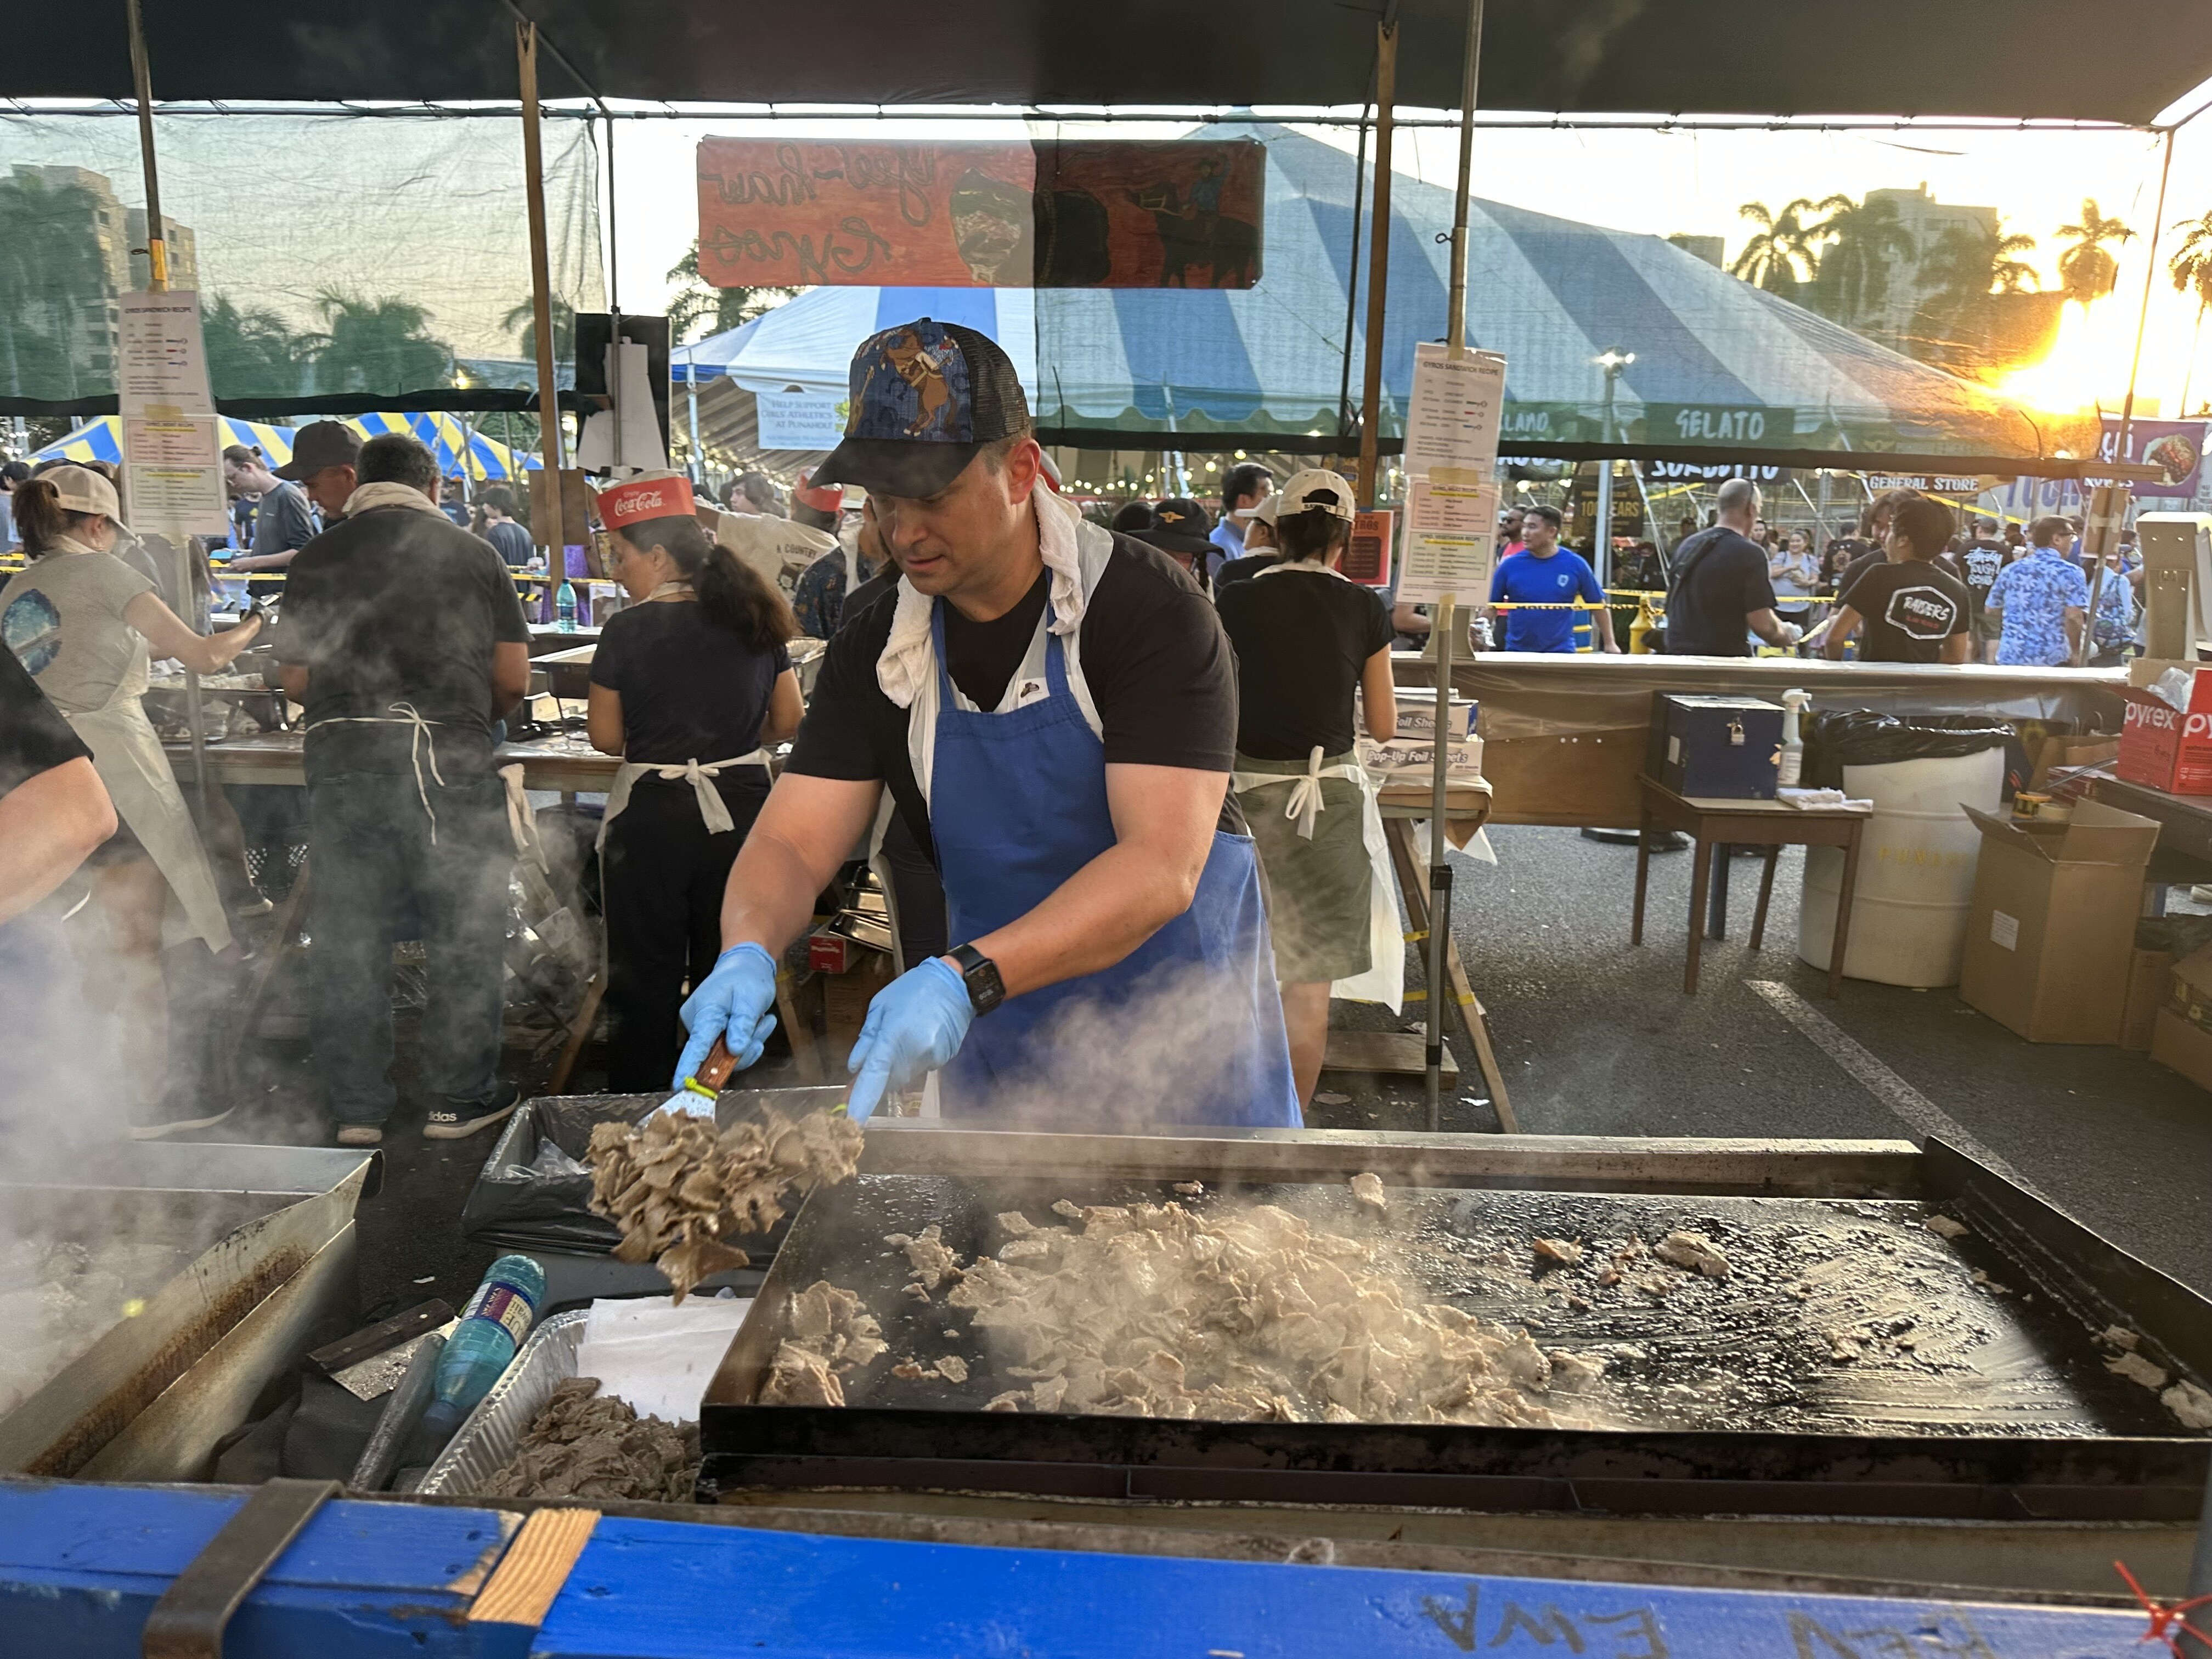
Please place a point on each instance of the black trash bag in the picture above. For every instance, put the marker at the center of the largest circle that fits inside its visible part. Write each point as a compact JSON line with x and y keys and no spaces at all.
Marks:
{"x":516,"y":1205}
{"x":1835,"y":739}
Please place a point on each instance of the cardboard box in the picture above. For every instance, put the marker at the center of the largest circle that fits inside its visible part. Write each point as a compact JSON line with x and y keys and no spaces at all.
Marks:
{"x":2188,"y":989}
{"x":2060,"y":752}
{"x":1417,"y":712}
{"x":2164,"y":747}
{"x":2150,"y":974}
{"x":2181,"y":1046}
{"x":2051,"y":932}
{"x":1402,"y":758}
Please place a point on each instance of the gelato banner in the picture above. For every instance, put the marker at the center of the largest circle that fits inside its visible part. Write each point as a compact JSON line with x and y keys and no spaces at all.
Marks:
{"x":1086,"y":213}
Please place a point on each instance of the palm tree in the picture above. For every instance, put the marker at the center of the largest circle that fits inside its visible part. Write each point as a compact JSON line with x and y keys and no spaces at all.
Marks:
{"x":2087,"y":270}
{"x":1962,"y":274}
{"x":695,"y":302}
{"x":521,"y":321}
{"x":2191,"y":269}
{"x":253,"y":353}
{"x":1771,"y":258}
{"x":1862,"y":239}
{"x":377,"y":345}
{"x":54,"y":277}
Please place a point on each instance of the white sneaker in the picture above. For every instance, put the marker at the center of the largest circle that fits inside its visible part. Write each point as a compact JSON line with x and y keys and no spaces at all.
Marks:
{"x":360,"y":1135}
{"x":178,"y":1125}
{"x":444,"y":1123}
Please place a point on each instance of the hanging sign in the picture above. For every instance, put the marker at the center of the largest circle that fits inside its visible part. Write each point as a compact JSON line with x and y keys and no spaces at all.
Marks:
{"x":1453,"y":415}
{"x":171,"y":449}
{"x":795,"y":212}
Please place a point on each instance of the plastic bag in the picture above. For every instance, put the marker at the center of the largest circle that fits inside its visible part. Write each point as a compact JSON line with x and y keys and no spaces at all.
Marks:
{"x":1835,"y":739}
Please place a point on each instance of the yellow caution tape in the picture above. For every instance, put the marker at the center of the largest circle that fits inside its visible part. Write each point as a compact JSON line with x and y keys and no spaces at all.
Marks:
{"x":1423,"y":996}
{"x":1415,"y":938}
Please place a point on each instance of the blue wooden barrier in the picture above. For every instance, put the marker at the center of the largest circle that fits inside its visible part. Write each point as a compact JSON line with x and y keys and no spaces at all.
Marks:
{"x":81,"y":1565}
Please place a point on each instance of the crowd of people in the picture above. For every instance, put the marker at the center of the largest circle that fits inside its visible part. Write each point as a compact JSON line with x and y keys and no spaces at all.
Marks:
{"x":1108,"y":771}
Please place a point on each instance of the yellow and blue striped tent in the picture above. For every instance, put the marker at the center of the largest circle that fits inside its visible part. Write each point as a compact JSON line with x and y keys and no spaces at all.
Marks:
{"x":450,"y":440}
{"x":102,"y":440}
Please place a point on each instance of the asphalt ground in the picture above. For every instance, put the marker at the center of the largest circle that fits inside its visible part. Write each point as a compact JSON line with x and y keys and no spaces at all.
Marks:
{"x":1594,"y":1037}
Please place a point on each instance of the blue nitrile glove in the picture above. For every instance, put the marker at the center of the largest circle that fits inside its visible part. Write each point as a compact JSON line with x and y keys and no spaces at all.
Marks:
{"x":915,"y":1024}
{"x":733,"y":1003}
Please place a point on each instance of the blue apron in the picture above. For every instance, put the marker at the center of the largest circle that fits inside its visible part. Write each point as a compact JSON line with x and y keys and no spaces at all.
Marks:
{"x":1185,"y":1030}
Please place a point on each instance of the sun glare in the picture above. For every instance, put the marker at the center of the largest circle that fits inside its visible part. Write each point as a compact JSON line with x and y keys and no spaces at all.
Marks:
{"x":2088,"y":363}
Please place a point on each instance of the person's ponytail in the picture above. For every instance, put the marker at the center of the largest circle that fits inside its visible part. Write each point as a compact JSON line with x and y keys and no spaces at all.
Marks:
{"x":733,"y":595}
{"x":40,"y":516}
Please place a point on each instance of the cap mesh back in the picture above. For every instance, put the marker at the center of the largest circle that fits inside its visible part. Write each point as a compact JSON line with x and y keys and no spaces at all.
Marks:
{"x":1000,"y":409}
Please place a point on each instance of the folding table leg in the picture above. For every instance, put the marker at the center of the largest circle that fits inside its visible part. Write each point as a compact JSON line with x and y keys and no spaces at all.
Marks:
{"x":1766,"y":890}
{"x":1701,"y":877}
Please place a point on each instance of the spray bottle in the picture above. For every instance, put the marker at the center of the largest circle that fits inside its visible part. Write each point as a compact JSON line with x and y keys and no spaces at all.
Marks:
{"x":1794,"y":703}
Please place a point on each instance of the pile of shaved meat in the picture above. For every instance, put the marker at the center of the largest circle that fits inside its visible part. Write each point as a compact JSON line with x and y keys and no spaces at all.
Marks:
{"x":827,"y":1333}
{"x":679,"y":1192}
{"x":1153,"y":1310}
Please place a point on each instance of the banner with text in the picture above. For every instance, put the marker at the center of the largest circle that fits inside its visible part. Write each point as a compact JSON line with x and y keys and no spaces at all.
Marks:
{"x":795,"y":212}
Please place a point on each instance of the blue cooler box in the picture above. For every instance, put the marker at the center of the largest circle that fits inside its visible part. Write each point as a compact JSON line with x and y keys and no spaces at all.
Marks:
{"x":1725,"y":748}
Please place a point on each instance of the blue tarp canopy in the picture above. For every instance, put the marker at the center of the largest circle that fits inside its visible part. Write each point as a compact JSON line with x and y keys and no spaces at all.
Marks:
{"x":1718,"y":364}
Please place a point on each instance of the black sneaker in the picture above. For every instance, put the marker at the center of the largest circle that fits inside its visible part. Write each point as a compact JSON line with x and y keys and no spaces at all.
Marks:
{"x":447,"y":1122}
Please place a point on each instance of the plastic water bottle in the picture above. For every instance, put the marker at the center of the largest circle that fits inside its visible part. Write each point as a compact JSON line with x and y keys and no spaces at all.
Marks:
{"x":492,"y":1326}
{"x":564,"y":606}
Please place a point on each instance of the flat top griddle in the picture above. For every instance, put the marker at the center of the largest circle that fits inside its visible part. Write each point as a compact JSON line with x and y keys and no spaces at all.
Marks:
{"x":1836,"y":1318}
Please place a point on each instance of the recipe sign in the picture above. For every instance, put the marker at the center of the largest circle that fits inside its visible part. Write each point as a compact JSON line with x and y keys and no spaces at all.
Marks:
{"x":172,"y":446}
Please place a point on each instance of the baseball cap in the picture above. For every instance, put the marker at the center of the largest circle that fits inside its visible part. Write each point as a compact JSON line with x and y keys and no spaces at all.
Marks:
{"x":80,"y":489}
{"x":1179,"y":525}
{"x":926,"y":395}
{"x":657,"y":495}
{"x":1268,"y":507}
{"x":318,"y":445}
{"x":823,"y":498}
{"x":1314,"y":487}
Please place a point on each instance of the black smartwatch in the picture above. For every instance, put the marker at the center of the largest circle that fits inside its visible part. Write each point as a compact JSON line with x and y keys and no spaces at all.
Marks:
{"x":986,"y":990}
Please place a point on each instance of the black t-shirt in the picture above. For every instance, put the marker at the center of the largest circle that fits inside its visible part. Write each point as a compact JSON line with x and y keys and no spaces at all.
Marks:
{"x":1160,"y":670}
{"x":33,"y":736}
{"x":1302,"y":638}
{"x":397,"y":606}
{"x":1243,"y":570}
{"x":1981,"y":561}
{"x":689,"y":690}
{"x":1720,"y":579}
{"x":1910,"y":610}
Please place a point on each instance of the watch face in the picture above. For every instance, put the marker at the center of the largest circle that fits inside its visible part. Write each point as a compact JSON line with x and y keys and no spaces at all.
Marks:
{"x":986,"y":990}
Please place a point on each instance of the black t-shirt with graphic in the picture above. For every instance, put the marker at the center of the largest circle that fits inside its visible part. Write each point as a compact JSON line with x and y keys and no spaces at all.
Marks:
{"x":1981,"y":561}
{"x":1910,"y":609}
{"x":1160,"y":670}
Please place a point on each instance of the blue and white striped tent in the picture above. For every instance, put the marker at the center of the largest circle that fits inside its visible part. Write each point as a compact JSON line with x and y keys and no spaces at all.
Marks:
{"x":101,"y":440}
{"x":1716,"y":361}
{"x":449,"y":439}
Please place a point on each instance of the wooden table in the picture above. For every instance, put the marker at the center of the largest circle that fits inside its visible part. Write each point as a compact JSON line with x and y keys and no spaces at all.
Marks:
{"x":2184,"y":828}
{"x":1404,"y":1053}
{"x":567,"y":765}
{"x":1716,"y":825}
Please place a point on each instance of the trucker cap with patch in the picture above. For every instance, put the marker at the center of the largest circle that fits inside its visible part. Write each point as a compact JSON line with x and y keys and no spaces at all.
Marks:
{"x":926,"y":395}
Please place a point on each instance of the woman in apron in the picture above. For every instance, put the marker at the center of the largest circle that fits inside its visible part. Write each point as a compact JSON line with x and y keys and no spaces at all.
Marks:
{"x":690,"y":686}
{"x":86,"y":624}
{"x":1306,"y":639}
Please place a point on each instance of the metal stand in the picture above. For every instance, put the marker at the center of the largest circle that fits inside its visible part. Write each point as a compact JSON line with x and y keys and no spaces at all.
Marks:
{"x":1440,"y":914}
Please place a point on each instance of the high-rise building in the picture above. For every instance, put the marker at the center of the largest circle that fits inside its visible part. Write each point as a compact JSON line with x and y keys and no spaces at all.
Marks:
{"x":1712,"y":249}
{"x":1926,"y":221}
{"x":116,"y":230}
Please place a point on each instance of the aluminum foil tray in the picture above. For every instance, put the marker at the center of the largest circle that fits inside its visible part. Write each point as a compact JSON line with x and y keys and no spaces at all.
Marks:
{"x":481,"y":1445}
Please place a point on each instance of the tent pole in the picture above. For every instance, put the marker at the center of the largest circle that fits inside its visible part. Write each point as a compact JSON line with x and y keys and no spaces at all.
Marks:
{"x":541,"y":299}
{"x":157,"y":281}
{"x":2117,"y":512}
{"x":1378,"y":251}
{"x":1455,"y":318}
{"x":691,"y":396}
{"x":1351,"y":270}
